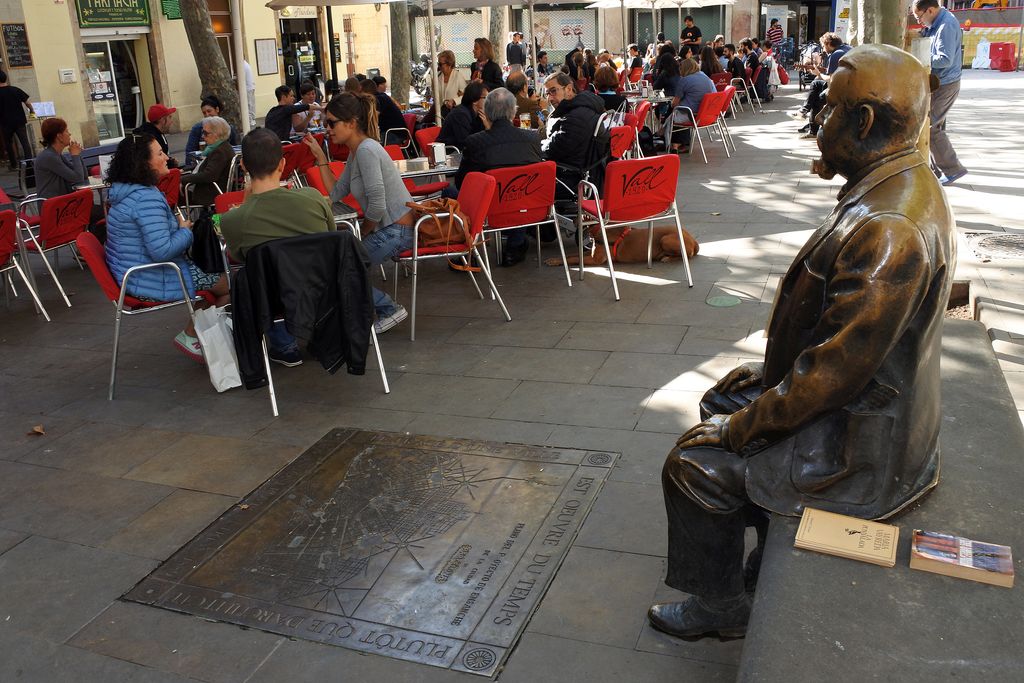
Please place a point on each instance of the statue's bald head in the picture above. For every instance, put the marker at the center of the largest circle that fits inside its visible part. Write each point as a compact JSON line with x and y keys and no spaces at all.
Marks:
{"x":893,"y":80}
{"x":877,"y":104}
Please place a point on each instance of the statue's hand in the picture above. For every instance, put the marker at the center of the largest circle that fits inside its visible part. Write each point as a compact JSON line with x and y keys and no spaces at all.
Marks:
{"x":709,"y":433}
{"x":740,"y":378}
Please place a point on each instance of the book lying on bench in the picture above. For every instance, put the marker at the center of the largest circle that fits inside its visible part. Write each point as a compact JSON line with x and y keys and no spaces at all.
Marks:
{"x":961,"y":558}
{"x":849,"y":537}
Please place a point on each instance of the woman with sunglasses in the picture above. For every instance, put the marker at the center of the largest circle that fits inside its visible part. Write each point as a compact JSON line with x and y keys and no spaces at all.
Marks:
{"x":142,"y":230}
{"x":215,"y":165}
{"x":372,"y":178}
{"x":451,"y":81}
{"x":209,"y":106}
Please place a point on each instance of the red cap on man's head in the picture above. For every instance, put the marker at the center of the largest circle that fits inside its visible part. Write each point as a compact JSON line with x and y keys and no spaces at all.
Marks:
{"x":158,"y":111}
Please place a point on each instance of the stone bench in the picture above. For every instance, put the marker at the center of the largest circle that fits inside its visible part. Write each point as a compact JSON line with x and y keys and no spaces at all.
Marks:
{"x":823,"y":618}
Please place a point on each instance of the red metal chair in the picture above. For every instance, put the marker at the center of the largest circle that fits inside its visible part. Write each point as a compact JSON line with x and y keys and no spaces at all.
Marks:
{"x":635,"y":191}
{"x":475,"y":198}
{"x":297,"y":158}
{"x":424,"y":190}
{"x":635,"y":74}
{"x":170,"y":185}
{"x":747,"y":86}
{"x":707,"y":116}
{"x":9,"y":255}
{"x":728,"y":102}
{"x":226,"y":201}
{"x":124,"y":303}
{"x":425,"y":137}
{"x":524,"y":196}
{"x":721,"y":79}
{"x":61,"y":219}
{"x":623,"y":139}
{"x":337,"y":152}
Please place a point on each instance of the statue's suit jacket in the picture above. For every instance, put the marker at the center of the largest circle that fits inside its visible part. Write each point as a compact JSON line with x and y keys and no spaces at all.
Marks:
{"x":849,"y":416}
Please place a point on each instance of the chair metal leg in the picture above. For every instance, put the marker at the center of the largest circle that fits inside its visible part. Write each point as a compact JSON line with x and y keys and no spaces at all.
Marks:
{"x":46,"y":262}
{"x":540,"y":258}
{"x":113,"y":360}
{"x":396,"y":279}
{"x":476,"y":286}
{"x":561,"y":250}
{"x":270,"y":377}
{"x":28,"y":286}
{"x":415,"y":281}
{"x":380,"y":360}
{"x":682,"y":244}
{"x":696,"y":134}
{"x":487,"y":274}
{"x":611,"y":266}
{"x":580,"y":238}
{"x":650,"y":244}
{"x":721,"y":131}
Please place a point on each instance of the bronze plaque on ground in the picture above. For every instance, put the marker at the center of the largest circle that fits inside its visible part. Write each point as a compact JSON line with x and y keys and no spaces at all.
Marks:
{"x":421,"y":548}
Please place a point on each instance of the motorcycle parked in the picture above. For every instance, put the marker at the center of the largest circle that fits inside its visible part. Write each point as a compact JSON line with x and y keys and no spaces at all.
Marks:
{"x":420,"y":70}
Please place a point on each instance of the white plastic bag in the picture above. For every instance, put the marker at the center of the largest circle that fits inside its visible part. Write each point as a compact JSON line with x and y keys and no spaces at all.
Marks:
{"x":213,"y":327}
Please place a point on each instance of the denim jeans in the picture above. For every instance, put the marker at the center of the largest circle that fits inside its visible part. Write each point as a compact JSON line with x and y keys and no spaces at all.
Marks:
{"x":279,"y":339}
{"x":381,"y":245}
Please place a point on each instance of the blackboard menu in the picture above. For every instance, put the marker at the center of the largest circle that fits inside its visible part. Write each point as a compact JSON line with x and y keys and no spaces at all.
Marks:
{"x":16,"y":41}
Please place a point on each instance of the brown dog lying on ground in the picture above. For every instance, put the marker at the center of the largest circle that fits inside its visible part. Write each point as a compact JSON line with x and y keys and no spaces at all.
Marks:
{"x":629,"y":245}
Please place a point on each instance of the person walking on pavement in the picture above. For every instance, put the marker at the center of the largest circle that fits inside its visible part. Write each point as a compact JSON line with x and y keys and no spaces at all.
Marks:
{"x":515,"y":53}
{"x":946,"y":54}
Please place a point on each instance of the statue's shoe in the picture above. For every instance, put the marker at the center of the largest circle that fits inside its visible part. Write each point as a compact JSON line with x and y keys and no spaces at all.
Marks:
{"x":695,"y":619}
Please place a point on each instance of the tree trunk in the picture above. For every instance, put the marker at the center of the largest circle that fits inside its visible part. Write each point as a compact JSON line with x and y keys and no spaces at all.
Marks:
{"x":213,"y":70}
{"x":866,"y":12}
{"x":496,"y":33}
{"x":401,"y":74}
{"x":891,"y":26}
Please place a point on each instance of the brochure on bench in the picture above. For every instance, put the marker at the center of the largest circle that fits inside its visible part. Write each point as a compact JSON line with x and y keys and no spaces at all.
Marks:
{"x":962,"y":558}
{"x":849,"y":537}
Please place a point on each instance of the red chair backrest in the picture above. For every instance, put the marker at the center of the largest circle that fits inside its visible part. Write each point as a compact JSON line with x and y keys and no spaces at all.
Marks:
{"x":395,"y":152}
{"x":223,"y":203}
{"x":522,"y":194}
{"x":314,"y":180}
{"x":721,"y":77}
{"x":757,"y":74}
{"x":622,"y":140}
{"x":635,"y":74}
{"x":170,"y":185}
{"x":642,"y":110}
{"x":337,"y":152}
{"x":581,"y":84}
{"x":8,"y":240}
{"x":709,"y":109}
{"x":92,"y":251}
{"x":297,"y":157}
{"x":410,"y":123}
{"x":475,"y":198}
{"x":726,"y":95}
{"x":635,"y":189}
{"x":425,"y":137}
{"x":62,"y":218}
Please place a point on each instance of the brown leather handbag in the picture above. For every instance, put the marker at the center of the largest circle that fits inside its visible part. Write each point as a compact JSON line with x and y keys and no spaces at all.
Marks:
{"x":443,"y":230}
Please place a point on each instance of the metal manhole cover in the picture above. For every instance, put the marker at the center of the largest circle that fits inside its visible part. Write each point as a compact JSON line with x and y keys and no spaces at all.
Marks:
{"x":999,"y":245}
{"x":414,"y":547}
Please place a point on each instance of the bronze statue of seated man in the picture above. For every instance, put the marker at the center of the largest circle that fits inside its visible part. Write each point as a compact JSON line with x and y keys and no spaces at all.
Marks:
{"x":843,"y":414}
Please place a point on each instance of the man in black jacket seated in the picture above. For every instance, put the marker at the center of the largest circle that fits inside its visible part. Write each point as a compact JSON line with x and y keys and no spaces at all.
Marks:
{"x":570,"y":129}
{"x":498,"y":146}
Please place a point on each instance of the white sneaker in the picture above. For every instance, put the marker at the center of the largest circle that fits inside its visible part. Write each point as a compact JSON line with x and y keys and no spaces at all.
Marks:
{"x":190,"y":346}
{"x":385,"y":324}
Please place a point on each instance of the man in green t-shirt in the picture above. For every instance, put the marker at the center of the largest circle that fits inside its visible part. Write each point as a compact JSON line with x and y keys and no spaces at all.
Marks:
{"x":270,"y":212}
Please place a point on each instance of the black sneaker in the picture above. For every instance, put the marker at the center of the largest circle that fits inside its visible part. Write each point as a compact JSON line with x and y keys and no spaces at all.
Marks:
{"x":289,"y":359}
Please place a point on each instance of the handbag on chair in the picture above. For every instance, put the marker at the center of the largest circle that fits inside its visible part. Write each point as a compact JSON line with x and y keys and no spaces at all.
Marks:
{"x":443,"y":230}
{"x":205,"y":250}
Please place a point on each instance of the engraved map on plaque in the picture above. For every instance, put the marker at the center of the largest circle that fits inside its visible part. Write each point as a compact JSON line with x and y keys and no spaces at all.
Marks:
{"x":421,"y":548}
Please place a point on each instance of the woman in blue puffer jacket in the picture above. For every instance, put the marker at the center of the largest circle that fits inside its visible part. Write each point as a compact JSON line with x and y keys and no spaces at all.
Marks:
{"x":141,"y":229}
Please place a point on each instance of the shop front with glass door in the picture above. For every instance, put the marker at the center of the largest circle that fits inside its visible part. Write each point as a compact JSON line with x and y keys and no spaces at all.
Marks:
{"x":300,"y":48}
{"x":111,"y":68}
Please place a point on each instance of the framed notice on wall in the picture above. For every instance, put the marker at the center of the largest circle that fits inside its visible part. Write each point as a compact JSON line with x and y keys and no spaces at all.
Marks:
{"x":266,"y":56}
{"x":19,"y":56}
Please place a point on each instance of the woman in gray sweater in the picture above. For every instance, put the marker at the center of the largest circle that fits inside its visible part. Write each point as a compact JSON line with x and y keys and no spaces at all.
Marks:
{"x":371,"y":177}
{"x":57,"y":173}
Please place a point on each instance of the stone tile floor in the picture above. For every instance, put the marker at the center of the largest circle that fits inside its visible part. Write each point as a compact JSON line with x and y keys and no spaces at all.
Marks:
{"x":112,"y":489}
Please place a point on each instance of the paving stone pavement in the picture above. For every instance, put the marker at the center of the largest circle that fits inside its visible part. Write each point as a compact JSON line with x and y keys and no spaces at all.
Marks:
{"x":112,"y":489}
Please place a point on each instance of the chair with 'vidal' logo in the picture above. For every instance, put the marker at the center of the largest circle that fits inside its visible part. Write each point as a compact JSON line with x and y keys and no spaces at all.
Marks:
{"x":524,"y":197}
{"x":635,"y":191}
